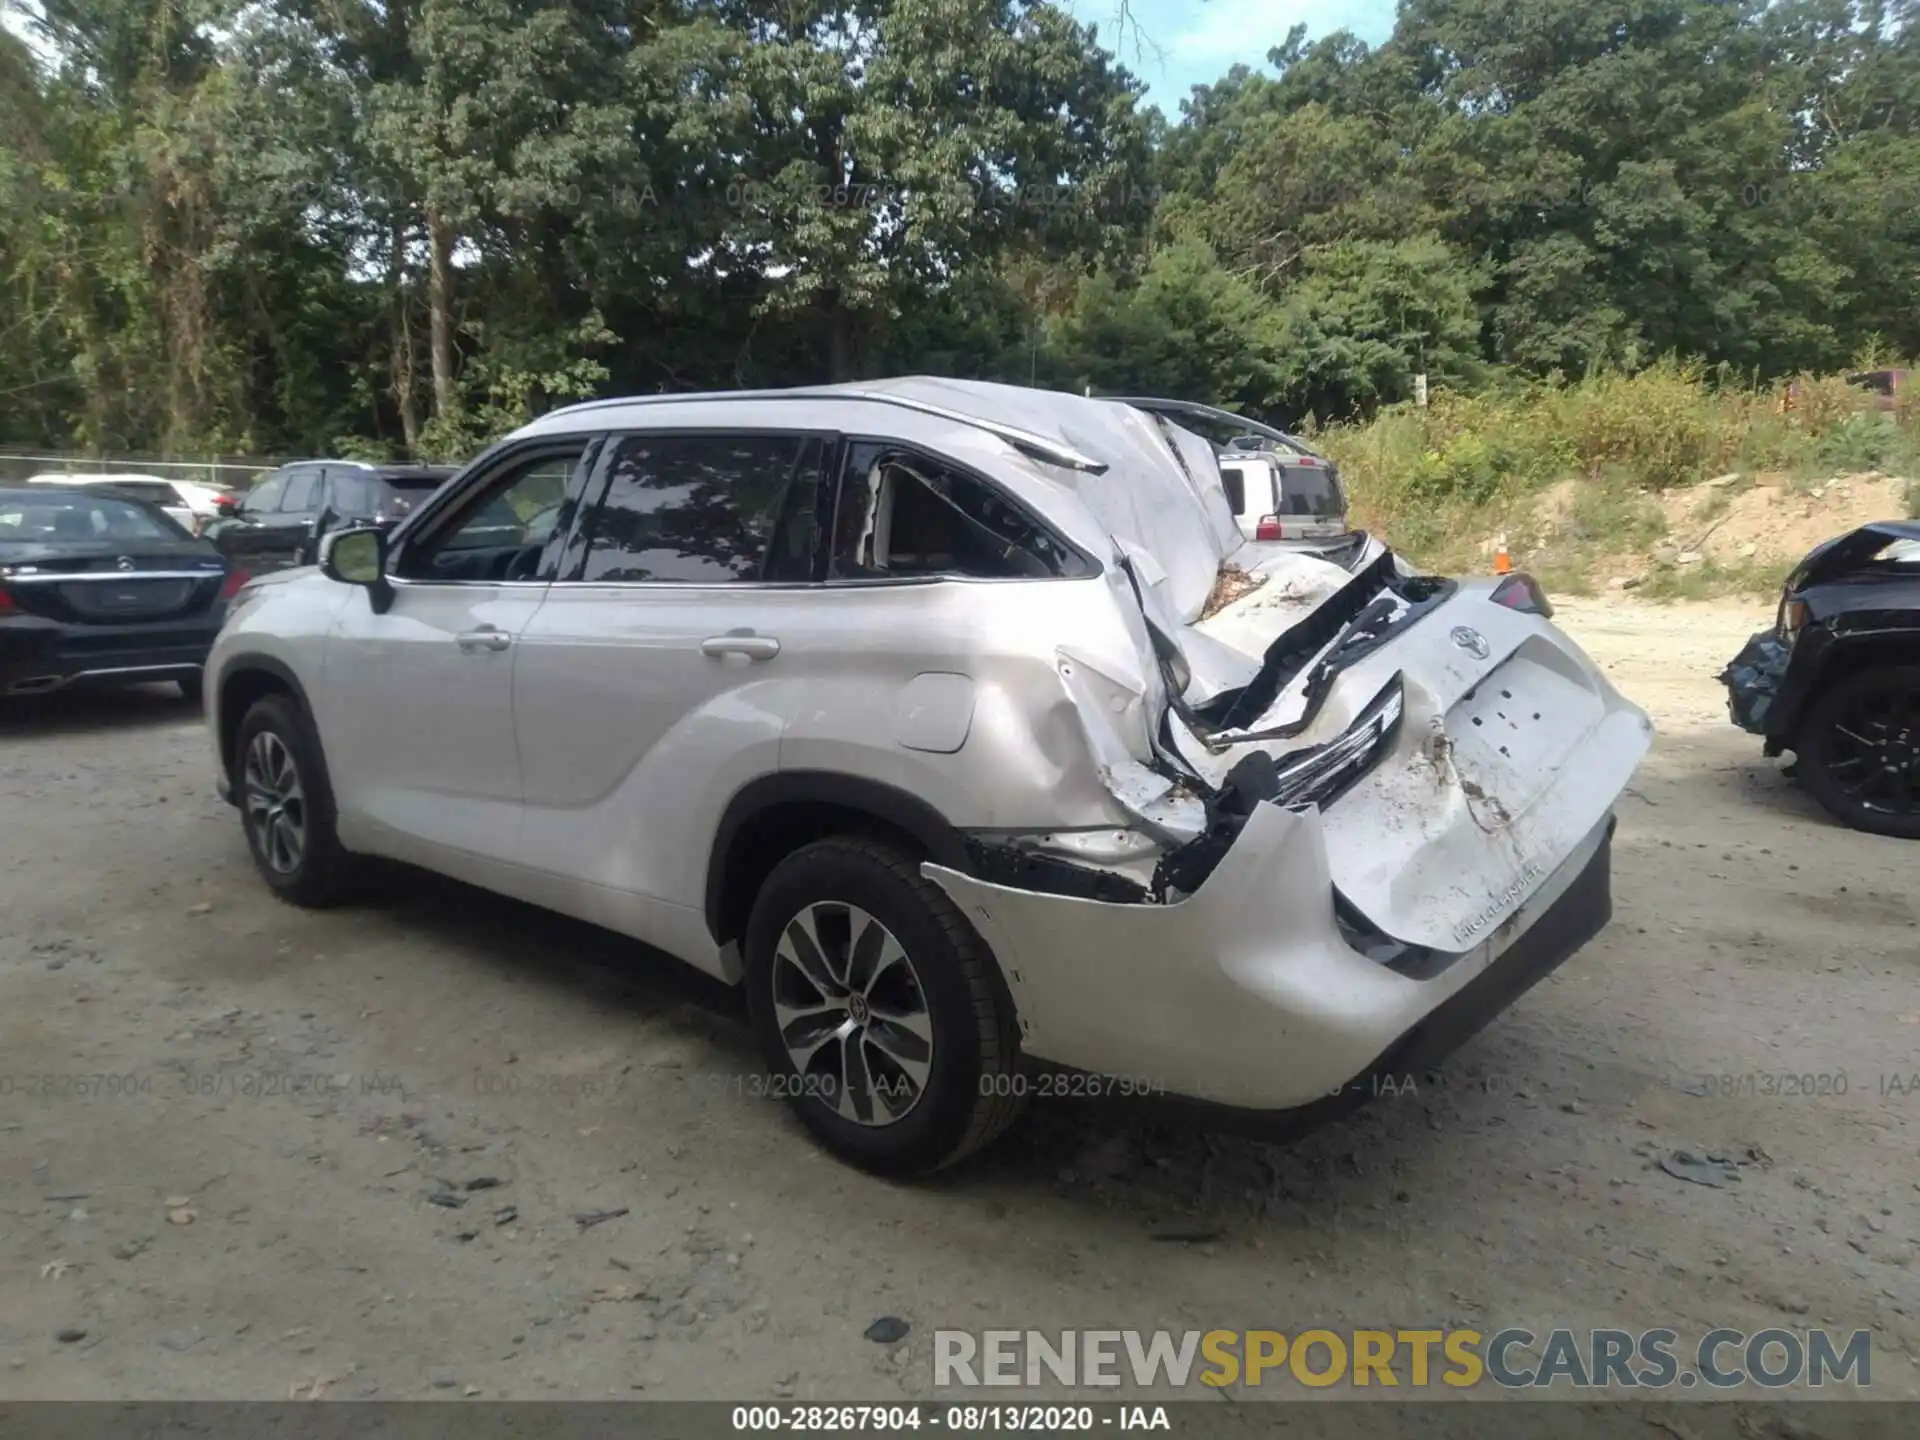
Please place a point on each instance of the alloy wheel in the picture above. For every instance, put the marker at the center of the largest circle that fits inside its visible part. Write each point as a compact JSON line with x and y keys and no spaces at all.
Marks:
{"x":276,"y":805}
{"x":1874,"y":751}
{"x":852,"y":1013}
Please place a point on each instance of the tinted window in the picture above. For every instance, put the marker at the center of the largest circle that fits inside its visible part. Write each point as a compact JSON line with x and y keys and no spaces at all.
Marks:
{"x":1309,"y":490}
{"x":303,"y":491}
{"x":702,"y":509}
{"x":265,"y":497}
{"x":414,"y":485}
{"x":1234,"y":478}
{"x":902,"y":514}
{"x":352,"y":493}
{"x":45,"y":519}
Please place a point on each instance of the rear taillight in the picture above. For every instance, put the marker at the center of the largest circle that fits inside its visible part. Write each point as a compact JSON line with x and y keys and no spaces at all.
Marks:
{"x":231,"y":585}
{"x":1523,"y":593}
{"x":7,"y":607}
{"x":1269,"y":529}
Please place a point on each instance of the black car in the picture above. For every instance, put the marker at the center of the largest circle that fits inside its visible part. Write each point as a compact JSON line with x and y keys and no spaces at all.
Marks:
{"x":279,"y":521}
{"x":99,"y":588}
{"x":1836,"y":679}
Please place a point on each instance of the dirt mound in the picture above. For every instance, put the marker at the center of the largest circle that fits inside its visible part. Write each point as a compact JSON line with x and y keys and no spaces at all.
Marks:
{"x":1734,"y":532}
{"x":1768,"y":522}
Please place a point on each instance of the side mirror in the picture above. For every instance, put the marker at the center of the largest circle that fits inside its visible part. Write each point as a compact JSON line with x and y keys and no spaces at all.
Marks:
{"x":358,"y":556}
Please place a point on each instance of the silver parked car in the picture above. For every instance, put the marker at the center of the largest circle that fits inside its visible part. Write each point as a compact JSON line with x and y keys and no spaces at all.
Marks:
{"x":922,"y":709}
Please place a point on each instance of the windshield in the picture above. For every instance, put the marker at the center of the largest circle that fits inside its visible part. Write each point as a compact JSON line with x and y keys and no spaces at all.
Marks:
{"x":44,"y":519}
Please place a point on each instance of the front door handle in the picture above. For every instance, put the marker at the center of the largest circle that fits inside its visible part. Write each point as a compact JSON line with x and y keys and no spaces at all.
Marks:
{"x":487,"y":637}
{"x":753,"y":647}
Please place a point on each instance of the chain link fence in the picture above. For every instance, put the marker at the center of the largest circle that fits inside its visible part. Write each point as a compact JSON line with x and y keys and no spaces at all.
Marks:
{"x":229,"y":472}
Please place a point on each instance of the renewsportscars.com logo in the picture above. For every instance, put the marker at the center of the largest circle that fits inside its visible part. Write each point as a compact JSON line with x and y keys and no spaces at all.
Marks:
{"x":1513,"y":1359}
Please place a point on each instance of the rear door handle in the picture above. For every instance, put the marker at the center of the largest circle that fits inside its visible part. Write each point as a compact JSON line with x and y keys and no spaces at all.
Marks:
{"x":486,"y":637}
{"x":754,"y":647}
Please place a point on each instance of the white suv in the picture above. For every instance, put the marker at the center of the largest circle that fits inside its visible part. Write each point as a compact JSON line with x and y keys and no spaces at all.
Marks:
{"x":941,"y":715}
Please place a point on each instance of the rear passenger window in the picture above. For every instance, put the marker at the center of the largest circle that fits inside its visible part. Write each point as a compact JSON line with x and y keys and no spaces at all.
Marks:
{"x":302,"y":488}
{"x":706,"y":509}
{"x":902,"y":514}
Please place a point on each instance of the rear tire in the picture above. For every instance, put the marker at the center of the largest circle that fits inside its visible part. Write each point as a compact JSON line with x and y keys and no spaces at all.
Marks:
{"x":878,"y":1010}
{"x":1859,"y":751}
{"x":286,"y":806}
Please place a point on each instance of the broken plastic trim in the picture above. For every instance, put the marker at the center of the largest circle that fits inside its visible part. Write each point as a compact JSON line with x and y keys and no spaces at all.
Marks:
{"x":1322,"y":774}
{"x":1361,"y":611}
{"x":1002,"y":864}
{"x":1311,"y":778}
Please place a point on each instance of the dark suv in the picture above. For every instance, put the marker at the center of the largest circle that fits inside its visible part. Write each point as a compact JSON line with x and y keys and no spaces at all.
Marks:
{"x":1836,"y":679}
{"x":279,"y":521}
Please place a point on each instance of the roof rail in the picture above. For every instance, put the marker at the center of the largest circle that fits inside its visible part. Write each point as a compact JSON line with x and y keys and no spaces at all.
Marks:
{"x":1021,"y":439}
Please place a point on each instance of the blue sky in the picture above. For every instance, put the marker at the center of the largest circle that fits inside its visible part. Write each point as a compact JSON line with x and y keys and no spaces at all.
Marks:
{"x":1183,"y":43}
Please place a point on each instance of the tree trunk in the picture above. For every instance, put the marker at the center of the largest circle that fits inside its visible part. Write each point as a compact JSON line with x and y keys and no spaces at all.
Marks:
{"x":401,"y":356}
{"x":440,"y":313}
{"x":840,"y":336}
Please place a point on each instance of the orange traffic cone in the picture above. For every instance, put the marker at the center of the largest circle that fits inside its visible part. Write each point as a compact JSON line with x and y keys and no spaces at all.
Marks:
{"x":1502,"y":561}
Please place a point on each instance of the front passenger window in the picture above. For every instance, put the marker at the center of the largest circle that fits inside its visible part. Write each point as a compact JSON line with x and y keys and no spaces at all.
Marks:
{"x":264,"y":498}
{"x":503,"y":533}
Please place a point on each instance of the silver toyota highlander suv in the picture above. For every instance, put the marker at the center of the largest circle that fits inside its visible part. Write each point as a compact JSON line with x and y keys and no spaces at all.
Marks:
{"x":958,"y":723}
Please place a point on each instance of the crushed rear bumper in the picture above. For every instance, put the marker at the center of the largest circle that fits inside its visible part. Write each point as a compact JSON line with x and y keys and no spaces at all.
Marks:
{"x":1248,"y":996}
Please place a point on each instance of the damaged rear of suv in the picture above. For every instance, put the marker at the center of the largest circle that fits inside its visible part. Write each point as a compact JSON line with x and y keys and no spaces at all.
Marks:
{"x":959,"y":724}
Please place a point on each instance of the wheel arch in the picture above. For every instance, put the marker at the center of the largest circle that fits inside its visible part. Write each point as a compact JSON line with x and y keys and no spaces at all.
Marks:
{"x":244,"y":681}
{"x":771,"y":817}
{"x":1844,"y":655}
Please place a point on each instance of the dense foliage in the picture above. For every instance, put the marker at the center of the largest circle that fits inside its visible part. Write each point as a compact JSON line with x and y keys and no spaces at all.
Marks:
{"x":402,"y":225}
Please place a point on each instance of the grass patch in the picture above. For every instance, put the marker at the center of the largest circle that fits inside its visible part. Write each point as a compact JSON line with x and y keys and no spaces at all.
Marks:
{"x":1712,"y":580}
{"x":1437,"y":482}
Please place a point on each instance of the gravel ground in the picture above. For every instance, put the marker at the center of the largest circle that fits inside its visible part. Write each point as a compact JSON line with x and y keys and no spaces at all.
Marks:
{"x":451,"y":1146}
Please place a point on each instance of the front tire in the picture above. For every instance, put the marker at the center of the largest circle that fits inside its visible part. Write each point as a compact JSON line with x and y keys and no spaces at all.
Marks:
{"x":1860,"y":751}
{"x":286,"y":806}
{"x":877,"y":1008}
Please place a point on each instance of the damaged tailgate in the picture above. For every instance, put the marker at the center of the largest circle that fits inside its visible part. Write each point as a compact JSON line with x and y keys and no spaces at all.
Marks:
{"x":1507,"y":748}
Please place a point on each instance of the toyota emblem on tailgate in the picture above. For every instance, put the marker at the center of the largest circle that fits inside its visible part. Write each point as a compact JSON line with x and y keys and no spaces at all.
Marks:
{"x":125,"y":562}
{"x":1471,"y":641}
